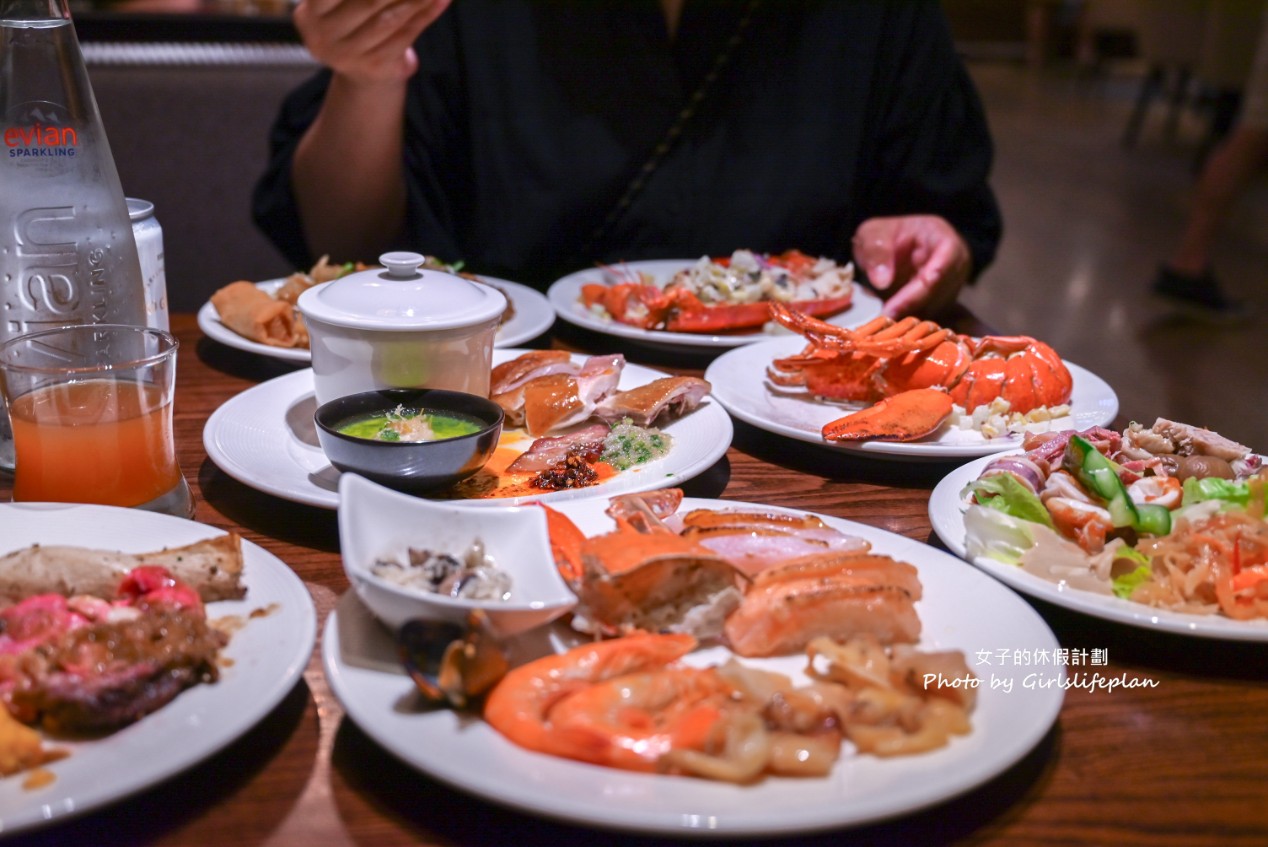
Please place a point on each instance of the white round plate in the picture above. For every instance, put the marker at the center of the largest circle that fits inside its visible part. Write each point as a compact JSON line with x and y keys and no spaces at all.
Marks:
{"x":946,"y":514}
{"x":565,"y":296}
{"x":266,"y":658}
{"x":740,"y":384}
{"x":533,"y":316}
{"x":962,"y":609}
{"x":265,"y":437}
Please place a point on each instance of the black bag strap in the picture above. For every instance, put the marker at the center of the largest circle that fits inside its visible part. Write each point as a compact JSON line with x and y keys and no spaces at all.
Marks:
{"x":671,"y":136}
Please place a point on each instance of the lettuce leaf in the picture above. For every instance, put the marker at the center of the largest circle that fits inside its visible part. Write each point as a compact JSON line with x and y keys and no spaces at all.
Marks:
{"x":1039,"y":550}
{"x":996,"y":535}
{"x":1006,"y":493}
{"x":1229,"y":492}
{"x":1124,"y":584}
{"x":1127,"y":583}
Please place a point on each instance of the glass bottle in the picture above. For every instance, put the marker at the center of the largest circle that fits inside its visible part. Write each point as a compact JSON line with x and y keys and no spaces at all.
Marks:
{"x":67,"y":253}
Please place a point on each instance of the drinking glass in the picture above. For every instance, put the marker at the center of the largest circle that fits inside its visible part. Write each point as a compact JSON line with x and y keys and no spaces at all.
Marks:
{"x":91,"y":411}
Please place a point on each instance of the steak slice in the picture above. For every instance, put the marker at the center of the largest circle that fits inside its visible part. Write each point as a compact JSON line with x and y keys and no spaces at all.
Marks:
{"x":99,"y":677}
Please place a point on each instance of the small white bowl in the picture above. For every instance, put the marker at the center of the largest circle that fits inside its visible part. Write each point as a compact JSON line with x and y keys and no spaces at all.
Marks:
{"x":400,"y":326}
{"x":378,"y":523}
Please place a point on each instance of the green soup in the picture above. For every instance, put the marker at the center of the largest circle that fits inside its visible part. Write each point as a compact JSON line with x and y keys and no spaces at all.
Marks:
{"x":411,"y":425}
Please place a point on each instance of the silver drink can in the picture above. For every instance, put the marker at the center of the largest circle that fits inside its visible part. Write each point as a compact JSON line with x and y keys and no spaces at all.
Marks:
{"x":149,"y":248}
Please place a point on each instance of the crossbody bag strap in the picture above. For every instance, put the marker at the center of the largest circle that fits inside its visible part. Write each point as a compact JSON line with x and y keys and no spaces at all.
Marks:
{"x":671,"y":136}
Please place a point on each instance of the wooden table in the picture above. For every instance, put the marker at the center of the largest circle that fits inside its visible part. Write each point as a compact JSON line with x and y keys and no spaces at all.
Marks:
{"x":1182,"y":763}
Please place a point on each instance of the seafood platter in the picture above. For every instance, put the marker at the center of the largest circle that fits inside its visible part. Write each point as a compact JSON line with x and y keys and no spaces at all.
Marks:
{"x":1160,"y":527}
{"x":906,"y":389}
{"x":562,"y":632}
{"x":260,"y":317}
{"x":575,"y":426}
{"x":704,"y":700}
{"x":132,"y":637}
{"x":711,"y":302}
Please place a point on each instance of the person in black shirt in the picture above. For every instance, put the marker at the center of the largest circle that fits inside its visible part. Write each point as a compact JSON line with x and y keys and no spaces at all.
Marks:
{"x":531,"y":138}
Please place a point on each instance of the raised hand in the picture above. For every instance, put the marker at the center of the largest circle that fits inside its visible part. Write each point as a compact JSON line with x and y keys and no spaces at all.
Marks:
{"x":366,"y":41}
{"x":918,"y":263}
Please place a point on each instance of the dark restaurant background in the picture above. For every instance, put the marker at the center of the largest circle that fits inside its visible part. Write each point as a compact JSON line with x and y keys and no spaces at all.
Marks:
{"x":1092,"y":203}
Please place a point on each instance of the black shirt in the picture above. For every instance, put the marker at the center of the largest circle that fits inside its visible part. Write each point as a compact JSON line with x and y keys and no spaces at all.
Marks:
{"x":528,"y":119}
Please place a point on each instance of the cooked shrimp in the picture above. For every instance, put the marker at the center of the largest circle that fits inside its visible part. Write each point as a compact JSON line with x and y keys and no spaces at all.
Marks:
{"x":624,"y":703}
{"x":1086,"y":523}
{"x":521,"y":705}
{"x":1164,"y":490}
{"x":634,"y":720}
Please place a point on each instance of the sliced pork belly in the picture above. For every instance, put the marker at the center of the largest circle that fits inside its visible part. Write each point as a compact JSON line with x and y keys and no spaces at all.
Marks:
{"x":550,"y":450}
{"x":668,"y":397}
{"x":838,"y":595}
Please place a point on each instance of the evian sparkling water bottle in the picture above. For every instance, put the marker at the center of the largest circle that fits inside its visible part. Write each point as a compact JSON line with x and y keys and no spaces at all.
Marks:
{"x":67,"y":254}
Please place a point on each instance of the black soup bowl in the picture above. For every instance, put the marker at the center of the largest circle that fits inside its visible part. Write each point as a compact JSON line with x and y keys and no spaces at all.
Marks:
{"x":409,"y":465}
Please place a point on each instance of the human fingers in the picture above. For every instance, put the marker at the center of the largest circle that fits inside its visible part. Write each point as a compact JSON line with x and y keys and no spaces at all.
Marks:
{"x":335,"y":19}
{"x":322,"y":7}
{"x":924,"y":239}
{"x":931,"y":255}
{"x":874,"y":251}
{"x":919,"y":250}
{"x":349,"y":14}
{"x":370,"y":25}
{"x":948,"y":257}
{"x":908,"y":299}
{"x":388,"y":39}
{"x":366,"y":39}
{"x":411,"y":17}
{"x":934,"y":285}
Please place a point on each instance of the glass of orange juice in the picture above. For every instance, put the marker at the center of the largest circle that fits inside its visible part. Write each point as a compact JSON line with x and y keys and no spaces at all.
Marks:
{"x":91,"y":411}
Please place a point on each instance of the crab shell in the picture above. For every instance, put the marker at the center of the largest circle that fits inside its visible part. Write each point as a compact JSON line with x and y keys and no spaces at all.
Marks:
{"x":654,"y":581}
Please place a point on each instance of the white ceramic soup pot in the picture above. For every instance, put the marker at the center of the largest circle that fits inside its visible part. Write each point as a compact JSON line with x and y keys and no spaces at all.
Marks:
{"x":400,"y":326}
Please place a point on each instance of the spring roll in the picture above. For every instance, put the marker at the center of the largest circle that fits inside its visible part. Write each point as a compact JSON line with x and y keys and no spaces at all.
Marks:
{"x":253,"y":314}
{"x":212,"y":567}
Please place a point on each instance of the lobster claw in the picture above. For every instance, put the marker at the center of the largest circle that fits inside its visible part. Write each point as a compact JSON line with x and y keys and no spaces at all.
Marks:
{"x":902,"y":417}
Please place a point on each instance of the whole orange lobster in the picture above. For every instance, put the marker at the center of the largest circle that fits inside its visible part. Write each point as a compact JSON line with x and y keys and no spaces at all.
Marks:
{"x":913,"y":372}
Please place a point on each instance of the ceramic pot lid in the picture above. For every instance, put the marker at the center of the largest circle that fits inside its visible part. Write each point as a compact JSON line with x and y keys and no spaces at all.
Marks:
{"x":401,"y":295}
